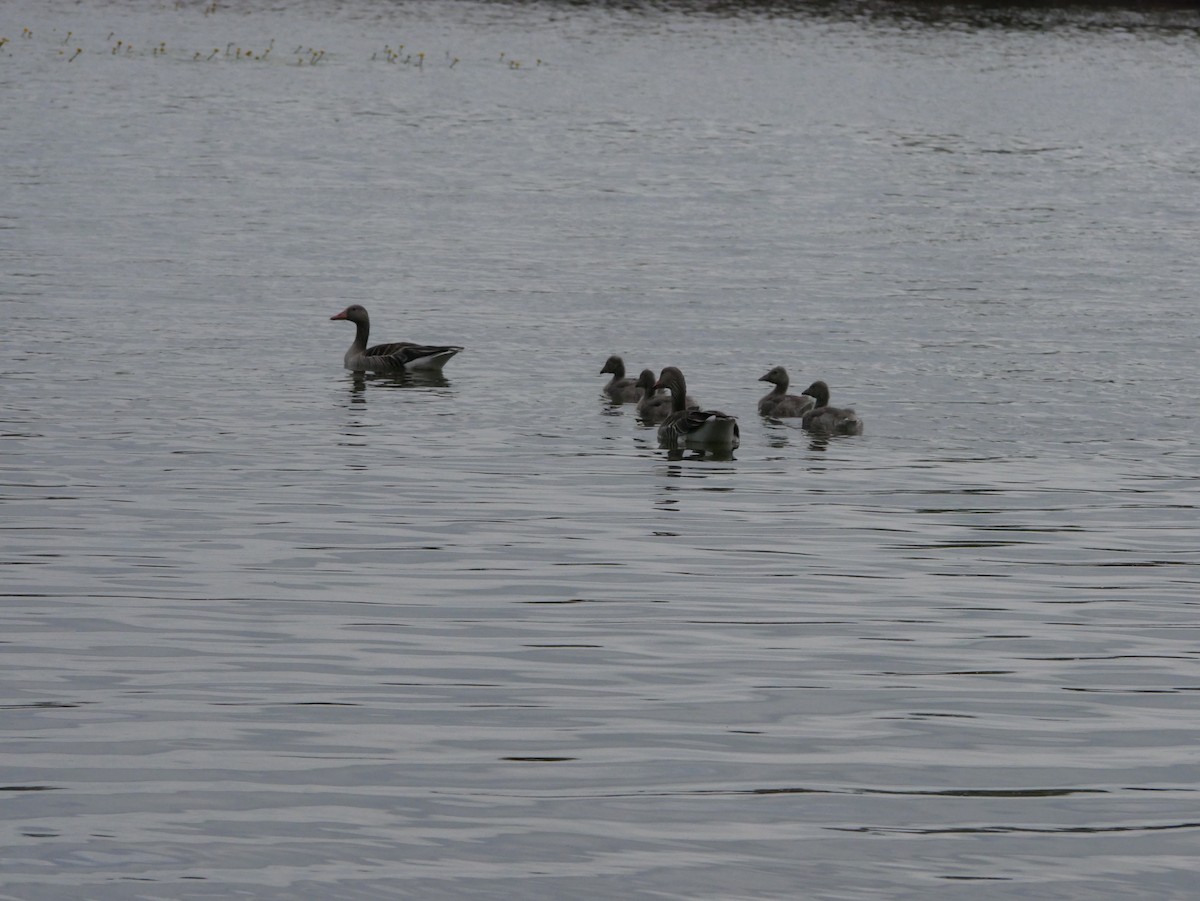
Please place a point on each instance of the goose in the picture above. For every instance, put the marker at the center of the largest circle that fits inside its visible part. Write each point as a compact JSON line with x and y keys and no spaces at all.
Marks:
{"x":684,"y":426}
{"x":654,"y":406}
{"x":779,"y":403}
{"x":827,"y":419}
{"x":619,"y":389}
{"x":393,"y":357}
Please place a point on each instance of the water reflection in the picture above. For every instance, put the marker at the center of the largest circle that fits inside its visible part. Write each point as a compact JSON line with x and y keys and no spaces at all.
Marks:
{"x":431,"y":383}
{"x":404,"y":379}
{"x":392,"y":623}
{"x":419,"y":381}
{"x":778,"y":436}
{"x":819,"y":443}
{"x":715,"y":453}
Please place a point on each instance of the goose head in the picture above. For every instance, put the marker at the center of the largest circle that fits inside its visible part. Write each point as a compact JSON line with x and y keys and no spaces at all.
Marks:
{"x":671,"y":379}
{"x":819,"y":392}
{"x":614,"y":365}
{"x":777,"y":376}
{"x":355,"y":313}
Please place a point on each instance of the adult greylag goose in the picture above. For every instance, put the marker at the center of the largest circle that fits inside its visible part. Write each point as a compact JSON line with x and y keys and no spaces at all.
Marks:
{"x":393,"y":357}
{"x":691,"y":427}
{"x":654,"y":406}
{"x":827,"y":419}
{"x":779,"y":403}
{"x":619,"y":389}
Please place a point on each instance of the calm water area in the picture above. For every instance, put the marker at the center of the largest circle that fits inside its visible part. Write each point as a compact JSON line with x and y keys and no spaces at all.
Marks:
{"x":271,"y":629}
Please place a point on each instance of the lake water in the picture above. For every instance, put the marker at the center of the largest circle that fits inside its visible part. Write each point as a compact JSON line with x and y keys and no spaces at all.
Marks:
{"x":272,"y":630}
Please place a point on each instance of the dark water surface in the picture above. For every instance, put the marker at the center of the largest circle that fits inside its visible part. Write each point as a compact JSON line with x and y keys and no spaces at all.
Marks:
{"x":272,"y":630}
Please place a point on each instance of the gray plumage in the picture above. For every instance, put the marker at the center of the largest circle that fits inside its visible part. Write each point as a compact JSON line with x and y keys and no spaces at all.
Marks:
{"x":827,"y":419}
{"x":686,"y":427}
{"x":394,"y":357}
{"x":779,"y":403}
{"x":655,"y":406}
{"x":620,"y":389}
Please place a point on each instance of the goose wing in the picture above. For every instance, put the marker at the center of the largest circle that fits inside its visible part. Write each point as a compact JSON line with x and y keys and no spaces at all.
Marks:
{"x":386,"y":350}
{"x":700,"y":425}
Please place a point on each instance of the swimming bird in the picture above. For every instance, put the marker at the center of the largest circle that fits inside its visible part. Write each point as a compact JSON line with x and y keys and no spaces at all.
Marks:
{"x":827,"y":419}
{"x":691,"y":427}
{"x":394,"y":357}
{"x":654,"y":406}
{"x":779,"y":403}
{"x":620,"y":389}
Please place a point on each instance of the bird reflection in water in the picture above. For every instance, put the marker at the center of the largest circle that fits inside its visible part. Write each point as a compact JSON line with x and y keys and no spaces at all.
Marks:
{"x":416,"y":379}
{"x":717,"y":453}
